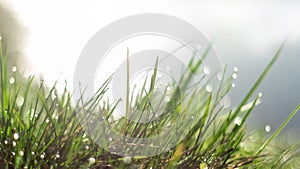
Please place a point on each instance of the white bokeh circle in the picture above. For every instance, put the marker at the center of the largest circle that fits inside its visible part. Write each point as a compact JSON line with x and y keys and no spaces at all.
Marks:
{"x":148,"y":36}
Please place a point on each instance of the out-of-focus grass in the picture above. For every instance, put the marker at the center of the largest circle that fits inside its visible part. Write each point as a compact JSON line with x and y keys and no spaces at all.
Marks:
{"x":39,"y":128}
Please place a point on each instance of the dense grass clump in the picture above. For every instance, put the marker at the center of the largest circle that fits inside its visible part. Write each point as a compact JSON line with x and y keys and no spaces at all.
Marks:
{"x":39,"y":127}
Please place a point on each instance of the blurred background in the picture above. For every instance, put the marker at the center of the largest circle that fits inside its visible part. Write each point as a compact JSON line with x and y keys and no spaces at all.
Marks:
{"x":246,"y":34}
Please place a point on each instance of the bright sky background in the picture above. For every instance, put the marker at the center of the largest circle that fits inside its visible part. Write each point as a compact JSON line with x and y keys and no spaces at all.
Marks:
{"x":58,"y":30}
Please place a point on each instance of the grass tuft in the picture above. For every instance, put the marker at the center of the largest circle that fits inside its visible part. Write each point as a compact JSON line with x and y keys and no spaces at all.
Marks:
{"x":39,"y":128}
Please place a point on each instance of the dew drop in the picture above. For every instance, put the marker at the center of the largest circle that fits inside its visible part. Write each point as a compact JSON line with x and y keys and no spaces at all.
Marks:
{"x":21,"y":153}
{"x":167,"y":99}
{"x":11,"y":80}
{"x":236,"y":69}
{"x":92,"y":160}
{"x":268,"y":128}
{"x":47,"y":121}
{"x":5,"y":142}
{"x":233,"y":85}
{"x":13,"y":153}
{"x":42,"y":156}
{"x":260,"y":94}
{"x":16,"y":136}
{"x":14,"y":144}
{"x":53,"y":96}
{"x":110,"y":139}
{"x":32,"y":153}
{"x":56,"y":117}
{"x":14,"y":69}
{"x":206,"y":70}
{"x":169,"y":88}
{"x":57,"y":156}
{"x":238,"y":121}
{"x":87,"y":147}
{"x":208,"y":88}
{"x":20,"y":101}
{"x":234,"y":76}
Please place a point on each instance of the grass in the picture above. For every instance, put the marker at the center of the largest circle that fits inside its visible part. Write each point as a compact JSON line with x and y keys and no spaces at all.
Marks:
{"x":39,"y":127}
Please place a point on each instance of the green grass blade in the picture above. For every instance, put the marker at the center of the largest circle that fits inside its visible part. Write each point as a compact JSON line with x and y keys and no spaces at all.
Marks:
{"x":278,"y":130}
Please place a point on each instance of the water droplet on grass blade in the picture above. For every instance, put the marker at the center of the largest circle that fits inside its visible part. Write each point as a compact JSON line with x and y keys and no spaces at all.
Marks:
{"x":53,"y":96}
{"x":238,"y":121}
{"x":206,"y":70}
{"x":14,"y":69}
{"x":20,"y":101}
{"x":11,"y":80}
{"x":233,"y":85}
{"x":16,"y":136}
{"x":236,"y":69}
{"x":234,"y":76}
{"x":208,"y":88}
{"x":92,"y":160}
{"x":268,"y":128}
